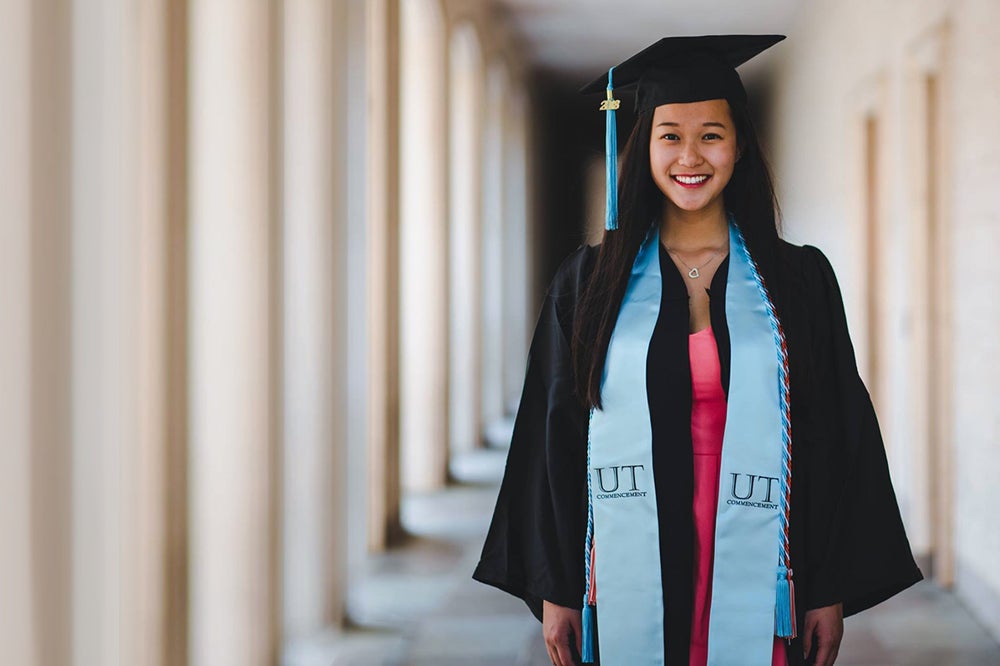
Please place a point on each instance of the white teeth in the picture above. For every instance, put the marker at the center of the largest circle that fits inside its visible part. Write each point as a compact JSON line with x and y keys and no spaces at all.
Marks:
{"x":691,"y":180}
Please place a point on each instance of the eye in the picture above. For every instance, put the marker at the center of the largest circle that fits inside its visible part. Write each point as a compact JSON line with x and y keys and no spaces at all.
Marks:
{"x":669,"y":136}
{"x":711,"y":136}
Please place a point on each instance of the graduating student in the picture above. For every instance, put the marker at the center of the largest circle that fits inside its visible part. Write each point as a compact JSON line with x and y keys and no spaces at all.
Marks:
{"x":695,"y":461}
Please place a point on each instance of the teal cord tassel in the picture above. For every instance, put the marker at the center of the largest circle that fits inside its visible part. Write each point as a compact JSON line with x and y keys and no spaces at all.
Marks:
{"x":611,"y":156}
{"x":784,"y":609}
{"x":588,"y":634}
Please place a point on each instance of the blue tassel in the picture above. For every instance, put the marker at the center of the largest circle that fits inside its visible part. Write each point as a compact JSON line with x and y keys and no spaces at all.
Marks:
{"x":588,"y":634}
{"x":611,"y":156}
{"x":784,"y":609}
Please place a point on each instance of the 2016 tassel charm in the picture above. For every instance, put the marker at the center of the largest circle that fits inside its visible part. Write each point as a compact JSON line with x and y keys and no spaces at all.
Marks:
{"x":610,"y":105}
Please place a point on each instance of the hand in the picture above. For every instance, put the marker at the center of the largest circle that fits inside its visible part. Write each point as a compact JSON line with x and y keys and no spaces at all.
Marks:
{"x":561,"y":628}
{"x":824,"y":629}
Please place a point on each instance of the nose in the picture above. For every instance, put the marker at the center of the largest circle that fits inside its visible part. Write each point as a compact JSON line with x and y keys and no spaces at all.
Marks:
{"x":689,"y":157}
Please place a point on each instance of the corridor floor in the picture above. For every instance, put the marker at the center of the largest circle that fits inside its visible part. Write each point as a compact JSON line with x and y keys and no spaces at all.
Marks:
{"x":419,"y":606}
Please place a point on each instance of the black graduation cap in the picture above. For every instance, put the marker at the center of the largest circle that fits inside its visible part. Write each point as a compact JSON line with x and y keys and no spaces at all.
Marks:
{"x":674,"y":70}
{"x":686,"y":69}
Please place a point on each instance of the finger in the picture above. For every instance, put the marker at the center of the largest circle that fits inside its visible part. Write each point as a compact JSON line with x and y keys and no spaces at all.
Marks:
{"x":824,"y":654}
{"x":832,"y":645}
{"x":554,"y":643}
{"x":562,"y":650}
{"x":828,"y":643}
{"x":807,"y":638}
{"x":550,"y":646}
{"x":552,"y":654}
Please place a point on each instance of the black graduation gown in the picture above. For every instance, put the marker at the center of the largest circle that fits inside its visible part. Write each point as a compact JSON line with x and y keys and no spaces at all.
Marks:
{"x":846,"y":537}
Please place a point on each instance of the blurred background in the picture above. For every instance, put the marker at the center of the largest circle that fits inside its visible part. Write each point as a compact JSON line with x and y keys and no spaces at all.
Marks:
{"x":269,"y":271}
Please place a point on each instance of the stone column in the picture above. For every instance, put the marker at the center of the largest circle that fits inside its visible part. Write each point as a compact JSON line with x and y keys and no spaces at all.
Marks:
{"x":233,"y":605}
{"x":19,"y":630}
{"x":494,"y":215}
{"x":382,"y":200}
{"x":315,"y":257}
{"x":177,"y":319}
{"x":104,"y":302}
{"x":424,"y":246}
{"x":466,"y":144}
{"x":153,"y":606}
{"x":354,"y":370}
{"x":49,"y":171}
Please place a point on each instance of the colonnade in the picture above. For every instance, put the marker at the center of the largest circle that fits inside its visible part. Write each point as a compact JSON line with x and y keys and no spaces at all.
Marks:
{"x":458,"y":237}
{"x":263,"y":266}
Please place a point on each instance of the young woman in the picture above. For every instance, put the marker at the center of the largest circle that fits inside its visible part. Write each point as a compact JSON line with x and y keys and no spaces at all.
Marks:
{"x":695,"y":460}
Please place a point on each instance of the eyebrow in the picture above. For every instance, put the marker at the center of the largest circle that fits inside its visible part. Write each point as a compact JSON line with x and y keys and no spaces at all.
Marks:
{"x":708,"y":124}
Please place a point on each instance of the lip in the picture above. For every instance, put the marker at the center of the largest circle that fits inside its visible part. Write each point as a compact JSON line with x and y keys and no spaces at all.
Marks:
{"x":691,"y":186}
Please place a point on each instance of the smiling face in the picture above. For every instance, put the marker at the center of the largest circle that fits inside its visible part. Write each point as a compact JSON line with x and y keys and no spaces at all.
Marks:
{"x":692,"y":152}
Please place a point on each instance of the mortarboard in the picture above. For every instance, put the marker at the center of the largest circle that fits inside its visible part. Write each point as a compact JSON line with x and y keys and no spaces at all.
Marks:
{"x":674,"y":70}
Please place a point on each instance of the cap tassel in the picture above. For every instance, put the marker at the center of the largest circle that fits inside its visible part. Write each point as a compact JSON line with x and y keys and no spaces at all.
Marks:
{"x":609,"y":105}
{"x":784,"y":610}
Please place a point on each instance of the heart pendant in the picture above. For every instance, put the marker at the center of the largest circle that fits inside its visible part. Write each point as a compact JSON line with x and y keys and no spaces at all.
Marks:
{"x":693,"y":273}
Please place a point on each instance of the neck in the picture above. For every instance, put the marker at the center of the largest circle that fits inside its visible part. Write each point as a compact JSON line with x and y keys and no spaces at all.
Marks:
{"x":686,"y":230}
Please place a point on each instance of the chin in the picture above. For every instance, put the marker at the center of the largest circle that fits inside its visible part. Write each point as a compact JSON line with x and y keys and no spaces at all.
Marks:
{"x":692,"y":206}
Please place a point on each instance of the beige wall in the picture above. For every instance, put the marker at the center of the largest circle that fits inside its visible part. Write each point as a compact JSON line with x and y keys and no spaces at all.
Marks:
{"x":846,"y":59}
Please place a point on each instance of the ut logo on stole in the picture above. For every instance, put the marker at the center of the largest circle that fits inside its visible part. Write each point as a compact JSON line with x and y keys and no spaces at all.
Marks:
{"x":754,"y":490}
{"x":609,"y":481}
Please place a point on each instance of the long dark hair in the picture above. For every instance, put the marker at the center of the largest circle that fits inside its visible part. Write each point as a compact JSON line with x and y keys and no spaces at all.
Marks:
{"x":749,"y":196}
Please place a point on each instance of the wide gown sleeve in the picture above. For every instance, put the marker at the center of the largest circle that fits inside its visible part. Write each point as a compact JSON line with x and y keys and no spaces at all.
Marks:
{"x":860,"y":552}
{"x":534,"y":547}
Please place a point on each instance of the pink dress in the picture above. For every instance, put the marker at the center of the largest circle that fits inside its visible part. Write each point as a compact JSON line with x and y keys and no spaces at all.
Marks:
{"x":708,"y":420}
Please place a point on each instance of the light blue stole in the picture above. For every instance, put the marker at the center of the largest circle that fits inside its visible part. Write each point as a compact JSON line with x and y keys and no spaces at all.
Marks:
{"x":751,"y":534}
